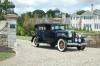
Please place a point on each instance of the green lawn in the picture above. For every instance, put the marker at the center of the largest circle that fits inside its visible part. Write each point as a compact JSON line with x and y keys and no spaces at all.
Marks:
{"x":24,"y":37}
{"x":6,"y":55}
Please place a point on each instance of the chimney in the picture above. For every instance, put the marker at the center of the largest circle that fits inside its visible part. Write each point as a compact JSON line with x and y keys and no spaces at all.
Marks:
{"x":92,"y":8}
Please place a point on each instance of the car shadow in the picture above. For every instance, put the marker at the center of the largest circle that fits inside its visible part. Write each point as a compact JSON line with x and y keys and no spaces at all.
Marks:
{"x":94,"y":45}
{"x":48,"y":47}
{"x":71,"y":49}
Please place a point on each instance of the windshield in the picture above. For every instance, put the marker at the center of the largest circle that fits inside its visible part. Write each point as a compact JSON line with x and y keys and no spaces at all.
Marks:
{"x":58,"y":27}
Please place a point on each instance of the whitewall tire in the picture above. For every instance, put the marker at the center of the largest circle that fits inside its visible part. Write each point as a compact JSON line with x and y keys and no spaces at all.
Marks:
{"x":61,"y":44}
{"x":35,"y":42}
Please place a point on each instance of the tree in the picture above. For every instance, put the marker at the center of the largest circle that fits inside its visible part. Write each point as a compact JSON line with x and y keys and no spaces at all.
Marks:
{"x":67,"y":15}
{"x":40,"y":13}
{"x":3,"y":8}
{"x":0,"y":7}
{"x":30,"y":14}
{"x":50,"y":13}
{"x":6,"y":5}
{"x":26,"y":21}
{"x":80,"y":12}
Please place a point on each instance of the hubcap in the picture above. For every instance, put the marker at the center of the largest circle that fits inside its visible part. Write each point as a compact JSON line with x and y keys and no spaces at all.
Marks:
{"x":35,"y":41}
{"x":61,"y":44}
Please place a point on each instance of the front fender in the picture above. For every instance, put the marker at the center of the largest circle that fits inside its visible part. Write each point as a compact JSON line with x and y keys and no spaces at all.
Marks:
{"x":62,"y":37}
{"x":32,"y":38}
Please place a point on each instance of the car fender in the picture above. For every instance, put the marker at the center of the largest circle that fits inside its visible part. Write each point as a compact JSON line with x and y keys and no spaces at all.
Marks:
{"x":61,"y":37}
{"x":32,"y":38}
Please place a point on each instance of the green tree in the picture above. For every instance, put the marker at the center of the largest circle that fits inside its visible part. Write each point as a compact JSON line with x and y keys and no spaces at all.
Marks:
{"x":0,"y":7}
{"x":26,"y":21}
{"x":7,"y":4}
{"x":67,"y":15}
{"x":80,"y":12}
{"x":3,"y":8}
{"x":30,"y":14}
{"x":40,"y":13}
{"x":50,"y":13}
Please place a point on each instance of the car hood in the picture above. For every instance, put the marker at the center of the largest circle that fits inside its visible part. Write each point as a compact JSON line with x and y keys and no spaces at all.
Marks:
{"x":61,"y":31}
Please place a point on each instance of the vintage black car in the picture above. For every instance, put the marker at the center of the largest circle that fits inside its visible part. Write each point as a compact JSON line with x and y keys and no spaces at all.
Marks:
{"x":57,"y":34}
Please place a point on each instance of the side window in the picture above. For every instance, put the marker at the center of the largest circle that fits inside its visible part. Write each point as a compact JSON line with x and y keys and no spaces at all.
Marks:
{"x":40,"y":28}
{"x":48,"y":27}
{"x":12,"y":26}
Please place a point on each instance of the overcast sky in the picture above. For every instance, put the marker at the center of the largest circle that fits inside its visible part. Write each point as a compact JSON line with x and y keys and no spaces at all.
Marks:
{"x":69,"y":6}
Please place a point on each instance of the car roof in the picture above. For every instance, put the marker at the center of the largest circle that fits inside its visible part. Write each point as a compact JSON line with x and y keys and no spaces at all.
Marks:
{"x":49,"y":24}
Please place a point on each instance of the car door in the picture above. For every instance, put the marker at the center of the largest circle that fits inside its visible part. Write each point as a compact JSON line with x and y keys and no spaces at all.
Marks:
{"x":48,"y":34}
{"x":40,"y":32}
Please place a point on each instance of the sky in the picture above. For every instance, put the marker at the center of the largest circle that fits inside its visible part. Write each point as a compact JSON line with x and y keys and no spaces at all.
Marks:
{"x":69,"y":6}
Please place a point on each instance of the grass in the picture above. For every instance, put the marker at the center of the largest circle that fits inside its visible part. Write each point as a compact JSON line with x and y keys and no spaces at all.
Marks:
{"x":6,"y":55}
{"x":24,"y":37}
{"x":88,"y":32}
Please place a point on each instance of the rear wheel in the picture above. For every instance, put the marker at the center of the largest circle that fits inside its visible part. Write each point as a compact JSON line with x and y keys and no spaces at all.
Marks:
{"x":35,"y":42}
{"x":61,"y":44}
{"x":81,"y":47}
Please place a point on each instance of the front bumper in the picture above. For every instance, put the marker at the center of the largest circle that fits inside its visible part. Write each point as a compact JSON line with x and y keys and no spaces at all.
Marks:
{"x":76,"y":44}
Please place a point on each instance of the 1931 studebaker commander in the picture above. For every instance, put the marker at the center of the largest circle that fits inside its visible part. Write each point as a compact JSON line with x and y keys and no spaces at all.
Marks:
{"x":56,"y":34}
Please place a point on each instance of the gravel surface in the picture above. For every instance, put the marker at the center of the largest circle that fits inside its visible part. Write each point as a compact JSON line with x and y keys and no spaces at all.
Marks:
{"x":27,"y":55}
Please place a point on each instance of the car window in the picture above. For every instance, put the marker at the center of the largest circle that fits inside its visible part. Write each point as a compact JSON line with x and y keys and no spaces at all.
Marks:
{"x":48,"y":27}
{"x":58,"y":27}
{"x":40,"y":28}
{"x":52,"y":28}
{"x":62,"y":27}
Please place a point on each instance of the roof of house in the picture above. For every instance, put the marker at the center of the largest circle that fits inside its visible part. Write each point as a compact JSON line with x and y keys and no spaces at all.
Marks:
{"x":74,"y":14}
{"x":95,"y":12}
{"x":49,"y":24}
{"x":87,"y":13}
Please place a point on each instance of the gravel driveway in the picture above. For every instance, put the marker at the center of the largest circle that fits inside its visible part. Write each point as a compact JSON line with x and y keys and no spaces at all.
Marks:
{"x":27,"y":55}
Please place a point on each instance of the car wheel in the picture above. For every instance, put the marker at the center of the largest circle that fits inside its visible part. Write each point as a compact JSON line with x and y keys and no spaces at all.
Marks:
{"x":81,"y":47}
{"x":35,"y":42}
{"x":61,"y":44}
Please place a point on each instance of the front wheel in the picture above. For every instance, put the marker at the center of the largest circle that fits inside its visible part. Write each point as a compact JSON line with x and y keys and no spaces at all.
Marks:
{"x":35,"y":42}
{"x":81,"y":47}
{"x":61,"y":44}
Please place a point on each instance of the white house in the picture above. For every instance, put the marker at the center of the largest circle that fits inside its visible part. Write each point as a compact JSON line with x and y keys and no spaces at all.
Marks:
{"x":90,"y":20}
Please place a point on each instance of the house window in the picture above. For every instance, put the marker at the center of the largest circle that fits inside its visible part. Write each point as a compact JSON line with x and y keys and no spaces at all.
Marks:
{"x":97,"y":26}
{"x":99,"y":17}
{"x":88,"y":17}
{"x":73,"y":18}
{"x":12,"y":26}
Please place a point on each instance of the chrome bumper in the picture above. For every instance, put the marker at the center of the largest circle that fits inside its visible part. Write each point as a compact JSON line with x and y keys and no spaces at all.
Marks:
{"x":76,"y":44}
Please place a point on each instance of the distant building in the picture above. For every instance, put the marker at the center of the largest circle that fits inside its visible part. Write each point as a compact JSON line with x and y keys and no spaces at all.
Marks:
{"x":90,"y":20}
